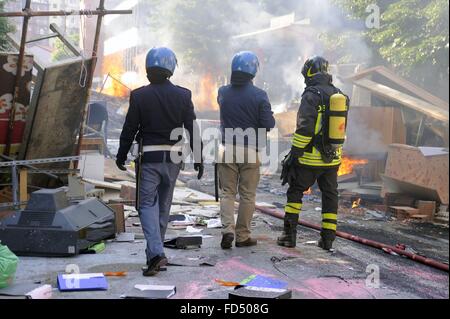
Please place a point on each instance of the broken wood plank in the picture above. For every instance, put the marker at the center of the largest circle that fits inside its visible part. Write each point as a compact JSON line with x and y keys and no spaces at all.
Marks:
{"x":102,"y":184}
{"x":403,"y":212}
{"x":414,"y":89}
{"x":404,"y":99}
{"x":407,"y":85}
{"x":426,"y":208}
{"x":23,"y":191}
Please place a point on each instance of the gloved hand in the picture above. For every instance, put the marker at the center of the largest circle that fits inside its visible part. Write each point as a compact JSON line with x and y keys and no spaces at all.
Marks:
{"x":296,"y":152}
{"x":199,"y":168}
{"x":288,"y":173}
{"x":121,"y":165}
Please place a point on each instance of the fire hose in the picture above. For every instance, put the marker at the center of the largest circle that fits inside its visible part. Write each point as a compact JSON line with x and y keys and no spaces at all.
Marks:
{"x":364,"y":241}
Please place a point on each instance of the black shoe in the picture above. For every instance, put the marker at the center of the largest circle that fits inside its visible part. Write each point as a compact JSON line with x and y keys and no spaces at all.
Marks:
{"x":327,"y":239}
{"x":227,"y":241}
{"x":289,"y":236}
{"x":154,"y":266}
{"x":325,"y":244}
{"x":248,"y":243}
{"x":287,"y":240}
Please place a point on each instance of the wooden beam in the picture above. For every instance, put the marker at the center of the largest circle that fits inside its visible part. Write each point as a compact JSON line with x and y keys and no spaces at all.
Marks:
{"x":407,"y":85}
{"x":23,"y":185}
{"x":404,"y":99}
{"x":65,"y":41}
{"x":90,"y":77}
{"x":414,"y":89}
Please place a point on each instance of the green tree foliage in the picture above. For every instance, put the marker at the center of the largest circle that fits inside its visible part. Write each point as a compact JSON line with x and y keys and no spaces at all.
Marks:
{"x":413,"y":37}
{"x":5,"y":27}
{"x":61,"y":52}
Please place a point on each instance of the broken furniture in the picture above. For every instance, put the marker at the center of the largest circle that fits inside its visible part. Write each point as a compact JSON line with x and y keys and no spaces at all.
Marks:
{"x":425,"y":116}
{"x":20,"y":183}
{"x":50,"y":225}
{"x":420,"y":172}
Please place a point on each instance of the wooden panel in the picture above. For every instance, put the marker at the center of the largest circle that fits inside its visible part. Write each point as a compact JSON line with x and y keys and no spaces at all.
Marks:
{"x":407,"y":164}
{"x":286,"y":122}
{"x":409,"y":86}
{"x":373,"y":129}
{"x":404,"y":99}
{"x":53,"y":128}
{"x":414,"y":89}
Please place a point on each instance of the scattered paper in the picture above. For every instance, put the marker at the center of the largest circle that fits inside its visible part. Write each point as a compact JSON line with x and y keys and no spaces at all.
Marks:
{"x":153,"y":287}
{"x":193,"y":230}
{"x":208,"y":213}
{"x":214,"y":223}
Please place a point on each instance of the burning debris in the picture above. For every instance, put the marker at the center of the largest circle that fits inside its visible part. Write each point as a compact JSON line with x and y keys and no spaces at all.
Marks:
{"x":349,"y":164}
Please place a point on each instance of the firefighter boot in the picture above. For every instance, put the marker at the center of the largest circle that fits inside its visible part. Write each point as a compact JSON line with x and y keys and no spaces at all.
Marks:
{"x":327,"y":238}
{"x":289,"y":236}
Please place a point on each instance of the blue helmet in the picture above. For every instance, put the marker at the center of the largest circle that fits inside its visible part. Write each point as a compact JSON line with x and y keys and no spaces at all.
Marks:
{"x":161,"y":57}
{"x":245,"y":61}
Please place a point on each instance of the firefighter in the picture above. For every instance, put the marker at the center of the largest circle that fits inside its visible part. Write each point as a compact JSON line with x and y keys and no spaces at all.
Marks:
{"x":245,"y":114}
{"x":155,"y":111}
{"x":316,"y":151}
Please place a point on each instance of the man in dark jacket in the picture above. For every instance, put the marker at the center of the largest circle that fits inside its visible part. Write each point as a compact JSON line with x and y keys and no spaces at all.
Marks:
{"x":310,"y":159}
{"x":245,"y":116}
{"x":155,"y":111}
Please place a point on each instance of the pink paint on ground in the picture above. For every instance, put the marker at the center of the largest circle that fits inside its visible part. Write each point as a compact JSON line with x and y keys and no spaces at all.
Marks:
{"x":417,"y":272}
{"x":192,"y":290}
{"x":306,"y":293}
{"x":290,"y":252}
{"x":232,"y":265}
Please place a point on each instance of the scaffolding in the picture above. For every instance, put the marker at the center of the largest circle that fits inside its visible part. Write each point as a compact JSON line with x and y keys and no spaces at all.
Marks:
{"x":27,"y":13}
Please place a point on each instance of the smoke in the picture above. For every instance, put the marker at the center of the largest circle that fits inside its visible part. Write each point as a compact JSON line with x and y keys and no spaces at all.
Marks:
{"x":363,"y":140}
{"x":205,"y":36}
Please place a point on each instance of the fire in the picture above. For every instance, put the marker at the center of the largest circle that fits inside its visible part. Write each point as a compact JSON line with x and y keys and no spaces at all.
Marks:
{"x":205,"y":97}
{"x":113,"y":70}
{"x":356,"y":203}
{"x":308,"y":192}
{"x":348,"y":165}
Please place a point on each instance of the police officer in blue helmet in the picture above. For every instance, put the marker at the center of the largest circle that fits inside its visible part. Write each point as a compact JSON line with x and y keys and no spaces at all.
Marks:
{"x":155,"y":111}
{"x":245,"y":112}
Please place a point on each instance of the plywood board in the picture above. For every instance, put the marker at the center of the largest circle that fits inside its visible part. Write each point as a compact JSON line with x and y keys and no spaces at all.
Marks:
{"x":429,"y":175}
{"x":409,"y":101}
{"x":373,"y":129}
{"x":407,"y":85}
{"x":56,"y":112}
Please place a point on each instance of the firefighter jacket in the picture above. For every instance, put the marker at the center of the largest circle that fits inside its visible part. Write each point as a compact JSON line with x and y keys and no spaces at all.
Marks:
{"x":308,"y":135}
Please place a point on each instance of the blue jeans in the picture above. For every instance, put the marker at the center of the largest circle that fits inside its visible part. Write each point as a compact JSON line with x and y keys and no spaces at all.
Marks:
{"x":157,"y":185}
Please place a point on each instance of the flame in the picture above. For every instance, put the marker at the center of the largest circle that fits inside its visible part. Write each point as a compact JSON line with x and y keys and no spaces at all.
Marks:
{"x":356,"y":203}
{"x":308,"y":192}
{"x":348,"y":165}
{"x":113,"y":71}
{"x":205,"y":97}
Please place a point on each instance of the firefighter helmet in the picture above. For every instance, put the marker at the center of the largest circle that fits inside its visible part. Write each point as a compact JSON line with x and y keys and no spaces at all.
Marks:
{"x":315,"y":65}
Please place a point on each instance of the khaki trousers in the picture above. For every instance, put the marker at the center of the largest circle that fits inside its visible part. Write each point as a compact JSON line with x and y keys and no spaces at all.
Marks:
{"x":238,"y":175}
